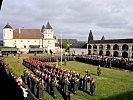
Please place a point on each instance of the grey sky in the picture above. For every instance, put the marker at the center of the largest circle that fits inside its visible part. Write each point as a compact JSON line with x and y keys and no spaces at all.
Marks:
{"x":73,"y":18}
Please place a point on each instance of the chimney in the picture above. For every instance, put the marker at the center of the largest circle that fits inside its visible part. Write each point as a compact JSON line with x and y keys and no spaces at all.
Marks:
{"x":19,"y":30}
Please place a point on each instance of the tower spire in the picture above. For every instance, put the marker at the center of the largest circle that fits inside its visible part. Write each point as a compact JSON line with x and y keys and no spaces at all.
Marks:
{"x":48,"y":26}
{"x":43,"y":28}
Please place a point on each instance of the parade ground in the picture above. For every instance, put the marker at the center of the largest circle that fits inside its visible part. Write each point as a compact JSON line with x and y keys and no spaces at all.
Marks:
{"x":113,"y":84}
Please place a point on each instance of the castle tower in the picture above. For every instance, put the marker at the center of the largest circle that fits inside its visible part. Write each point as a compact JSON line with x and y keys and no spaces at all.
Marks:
{"x":48,"y":32}
{"x":48,"y":38}
{"x":7,"y":35}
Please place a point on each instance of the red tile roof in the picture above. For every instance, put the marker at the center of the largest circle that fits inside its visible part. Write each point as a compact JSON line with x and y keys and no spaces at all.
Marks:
{"x":27,"y":34}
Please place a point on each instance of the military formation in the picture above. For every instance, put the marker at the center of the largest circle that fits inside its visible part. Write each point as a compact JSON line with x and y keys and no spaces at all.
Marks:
{"x":54,"y":79}
{"x":53,"y":59}
{"x":12,"y":84}
{"x":104,"y":61}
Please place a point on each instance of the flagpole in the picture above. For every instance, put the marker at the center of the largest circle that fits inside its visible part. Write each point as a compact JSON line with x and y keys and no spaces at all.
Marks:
{"x":61,"y":49}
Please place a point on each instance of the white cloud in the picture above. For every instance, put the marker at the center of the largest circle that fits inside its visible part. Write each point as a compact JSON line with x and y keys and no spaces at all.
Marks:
{"x":74,"y":18}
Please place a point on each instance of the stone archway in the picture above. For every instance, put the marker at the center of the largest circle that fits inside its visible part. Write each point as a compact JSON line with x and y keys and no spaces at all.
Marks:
{"x":89,"y":46}
{"x":101,"y":47}
{"x":94,"y":46}
{"x":108,"y":47}
{"x":115,"y":47}
{"x":125,"y":54}
{"x":115,"y":54}
{"x":89,"y":52}
{"x":125,"y":47}
{"x":100,"y":52}
{"x":107,"y":53}
{"x":95,"y":52}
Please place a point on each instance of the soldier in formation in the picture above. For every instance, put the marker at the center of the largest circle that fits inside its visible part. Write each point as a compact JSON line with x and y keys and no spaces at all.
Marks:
{"x":92,"y":86}
{"x":56,"y":79}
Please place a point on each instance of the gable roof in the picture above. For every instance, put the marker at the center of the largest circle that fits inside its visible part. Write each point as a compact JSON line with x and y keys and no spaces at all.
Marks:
{"x":27,"y":34}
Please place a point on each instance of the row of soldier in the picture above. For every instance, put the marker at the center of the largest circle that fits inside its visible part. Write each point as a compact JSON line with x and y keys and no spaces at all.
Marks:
{"x":15,"y":84}
{"x":34,"y":83}
{"x":53,"y":59}
{"x":123,"y":63}
{"x":63,"y":80}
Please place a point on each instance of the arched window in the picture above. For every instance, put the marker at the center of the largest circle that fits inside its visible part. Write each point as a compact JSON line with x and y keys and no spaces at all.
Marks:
{"x":115,"y":47}
{"x":94,"y":46}
{"x":100,"y":52}
{"x":125,"y":54}
{"x":125,"y":47}
{"x":116,"y":54}
{"x":107,"y":53}
{"x":95,"y":52}
{"x":89,"y":52}
{"x":108,"y":47}
{"x":89,"y":46}
{"x":101,"y":47}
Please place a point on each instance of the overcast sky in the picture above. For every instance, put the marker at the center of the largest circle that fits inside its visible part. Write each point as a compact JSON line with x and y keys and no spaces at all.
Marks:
{"x":72,"y":18}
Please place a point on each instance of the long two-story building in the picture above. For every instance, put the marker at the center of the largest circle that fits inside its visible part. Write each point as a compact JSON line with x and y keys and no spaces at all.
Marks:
{"x":114,"y":47}
{"x":24,"y":39}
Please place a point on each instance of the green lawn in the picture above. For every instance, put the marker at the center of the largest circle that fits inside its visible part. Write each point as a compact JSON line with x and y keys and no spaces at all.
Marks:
{"x":111,"y":85}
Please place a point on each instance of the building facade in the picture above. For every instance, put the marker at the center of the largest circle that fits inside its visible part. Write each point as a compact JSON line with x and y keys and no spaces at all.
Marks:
{"x":30,"y":38}
{"x":115,"y":47}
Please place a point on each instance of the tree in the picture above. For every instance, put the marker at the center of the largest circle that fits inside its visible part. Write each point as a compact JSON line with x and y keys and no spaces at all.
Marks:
{"x":90,"y":37}
{"x":66,"y":45}
{"x":103,"y":38}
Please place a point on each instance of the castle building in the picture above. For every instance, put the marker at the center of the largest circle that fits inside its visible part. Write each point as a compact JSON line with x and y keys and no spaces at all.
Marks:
{"x":113,"y":47}
{"x":23,"y":38}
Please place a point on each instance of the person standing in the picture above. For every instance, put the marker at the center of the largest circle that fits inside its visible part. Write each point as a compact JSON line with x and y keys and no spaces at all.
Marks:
{"x":54,"y":88}
{"x":92,"y":86}
{"x":85,"y":83}
{"x":65,"y":85}
{"x":98,"y":70}
{"x":40,"y":89}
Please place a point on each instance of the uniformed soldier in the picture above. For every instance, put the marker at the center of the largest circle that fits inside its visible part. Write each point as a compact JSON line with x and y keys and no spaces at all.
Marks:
{"x":92,"y":86}
{"x":75,"y":85}
{"x":65,"y":62}
{"x":80,"y":83}
{"x":54,"y":88}
{"x":40,"y":89}
{"x":65,"y":85}
{"x":85,"y":83}
{"x":98,"y":70}
{"x":35,"y":85}
{"x":25,"y":75}
{"x":49,"y":84}
{"x":31,"y":81}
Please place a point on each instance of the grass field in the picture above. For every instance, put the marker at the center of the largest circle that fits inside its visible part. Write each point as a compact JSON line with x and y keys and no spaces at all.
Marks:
{"x":113,"y":84}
